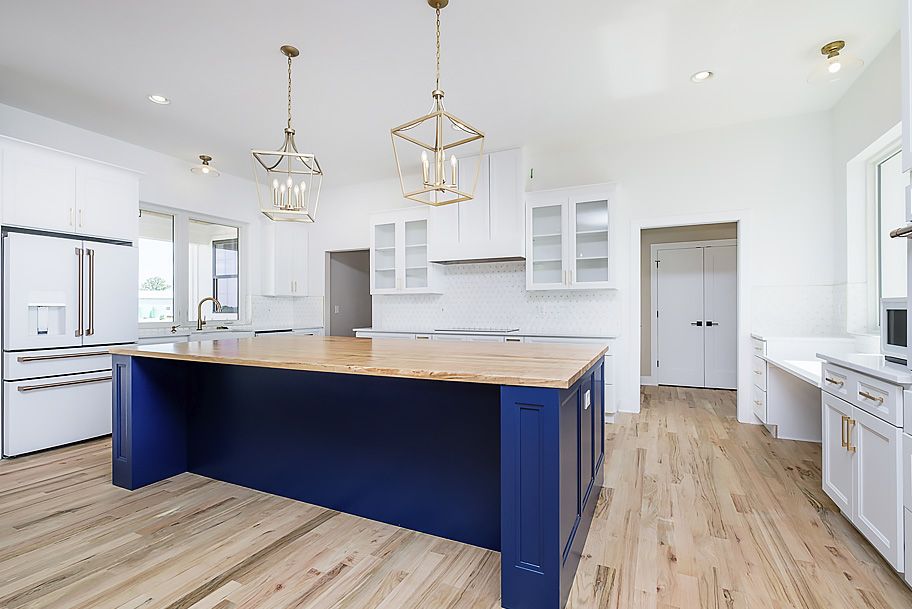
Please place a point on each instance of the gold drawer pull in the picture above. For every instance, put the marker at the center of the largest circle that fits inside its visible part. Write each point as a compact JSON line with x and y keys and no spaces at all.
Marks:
{"x":757,"y":372}
{"x":873,"y":398}
{"x":101,"y":379}
{"x":845,"y":442}
{"x":758,"y":402}
{"x":849,"y":446}
{"x":836,"y":382}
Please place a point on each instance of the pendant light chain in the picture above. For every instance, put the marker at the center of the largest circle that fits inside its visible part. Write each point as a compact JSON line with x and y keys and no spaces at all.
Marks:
{"x":289,"y":91}
{"x":438,"y":49}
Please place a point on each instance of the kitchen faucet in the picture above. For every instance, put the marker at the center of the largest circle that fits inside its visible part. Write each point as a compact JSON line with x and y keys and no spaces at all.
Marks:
{"x":216,"y":305}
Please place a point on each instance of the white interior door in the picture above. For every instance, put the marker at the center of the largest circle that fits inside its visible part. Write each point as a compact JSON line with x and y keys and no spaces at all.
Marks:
{"x":41,"y":307}
{"x":720,"y":309}
{"x":111,"y":298}
{"x":679,"y":296}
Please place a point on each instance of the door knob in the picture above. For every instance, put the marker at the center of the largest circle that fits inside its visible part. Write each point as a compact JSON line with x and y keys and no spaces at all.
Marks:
{"x":696,"y":323}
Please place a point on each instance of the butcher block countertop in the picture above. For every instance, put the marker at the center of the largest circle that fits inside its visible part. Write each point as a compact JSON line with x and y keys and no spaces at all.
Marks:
{"x":531,"y":365}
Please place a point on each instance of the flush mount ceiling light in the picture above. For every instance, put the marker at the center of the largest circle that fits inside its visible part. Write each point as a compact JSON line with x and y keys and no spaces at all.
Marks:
{"x":702,"y":76}
{"x":836,"y":66}
{"x":204,"y":168}
{"x":161,"y":100}
{"x":433,"y":142}
{"x":287,"y":181}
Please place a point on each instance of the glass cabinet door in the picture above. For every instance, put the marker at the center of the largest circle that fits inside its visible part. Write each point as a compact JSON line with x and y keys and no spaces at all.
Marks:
{"x":385,"y":256}
{"x":546,"y":256}
{"x":416,"y":255}
{"x":590,"y":240}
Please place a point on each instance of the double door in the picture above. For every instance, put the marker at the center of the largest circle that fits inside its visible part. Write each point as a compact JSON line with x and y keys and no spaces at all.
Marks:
{"x":62,"y":292}
{"x":695,"y":316}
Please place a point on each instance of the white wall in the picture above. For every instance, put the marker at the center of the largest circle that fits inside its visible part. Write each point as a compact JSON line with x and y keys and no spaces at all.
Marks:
{"x":868,"y":110}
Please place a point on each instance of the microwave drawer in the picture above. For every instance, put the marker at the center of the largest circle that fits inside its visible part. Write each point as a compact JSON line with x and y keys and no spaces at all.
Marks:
{"x":53,"y":362}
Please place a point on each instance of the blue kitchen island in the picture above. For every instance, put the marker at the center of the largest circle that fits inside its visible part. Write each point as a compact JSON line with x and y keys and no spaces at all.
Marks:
{"x":497,"y":445}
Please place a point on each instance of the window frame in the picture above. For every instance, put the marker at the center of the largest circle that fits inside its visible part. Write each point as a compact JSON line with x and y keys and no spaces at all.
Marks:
{"x":873,"y":211}
{"x":182,"y":312}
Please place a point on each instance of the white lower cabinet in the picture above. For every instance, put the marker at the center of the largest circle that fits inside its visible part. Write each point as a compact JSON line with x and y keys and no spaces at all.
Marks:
{"x":863,"y":466}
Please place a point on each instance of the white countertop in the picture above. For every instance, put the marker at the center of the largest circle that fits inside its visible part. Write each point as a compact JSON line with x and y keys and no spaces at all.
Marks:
{"x":486,"y":333}
{"x":807,"y":370}
{"x":211,"y":327}
{"x":871,"y":364}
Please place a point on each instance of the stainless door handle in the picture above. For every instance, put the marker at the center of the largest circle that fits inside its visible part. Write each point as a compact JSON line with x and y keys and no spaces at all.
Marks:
{"x":91,"y":329}
{"x":24,"y":359}
{"x":101,"y":379}
{"x":79,"y":292}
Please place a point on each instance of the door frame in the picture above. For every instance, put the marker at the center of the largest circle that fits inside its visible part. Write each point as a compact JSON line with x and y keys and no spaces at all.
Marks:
{"x":327,"y":276}
{"x":743,"y":220}
{"x":654,"y":249}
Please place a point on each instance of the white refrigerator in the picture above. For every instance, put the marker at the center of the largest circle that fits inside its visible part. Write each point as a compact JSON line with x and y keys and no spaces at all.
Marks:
{"x":64,"y":301}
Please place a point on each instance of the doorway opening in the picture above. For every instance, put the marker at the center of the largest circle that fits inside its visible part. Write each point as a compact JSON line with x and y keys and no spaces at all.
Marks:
{"x":348,"y":301}
{"x":689,"y":306}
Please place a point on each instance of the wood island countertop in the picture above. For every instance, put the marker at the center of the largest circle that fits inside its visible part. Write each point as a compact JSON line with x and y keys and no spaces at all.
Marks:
{"x":522,"y":364}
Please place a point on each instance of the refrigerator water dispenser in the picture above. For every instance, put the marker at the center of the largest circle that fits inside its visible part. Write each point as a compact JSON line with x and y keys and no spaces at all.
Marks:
{"x":46,"y":319}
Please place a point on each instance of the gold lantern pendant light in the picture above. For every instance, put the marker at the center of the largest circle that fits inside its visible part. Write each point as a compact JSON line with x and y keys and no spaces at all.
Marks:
{"x":434,"y":142}
{"x":288,"y":182}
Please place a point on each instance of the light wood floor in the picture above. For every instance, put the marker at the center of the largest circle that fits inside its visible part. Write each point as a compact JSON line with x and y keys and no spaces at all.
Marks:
{"x":698,"y":512}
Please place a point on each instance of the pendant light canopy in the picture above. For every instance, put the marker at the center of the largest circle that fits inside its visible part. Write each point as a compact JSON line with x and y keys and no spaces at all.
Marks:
{"x":837,"y":65}
{"x":288,"y":182}
{"x":438,"y":155}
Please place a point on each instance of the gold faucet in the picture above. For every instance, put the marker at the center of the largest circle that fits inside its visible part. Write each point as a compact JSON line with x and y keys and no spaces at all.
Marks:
{"x":216,"y":305}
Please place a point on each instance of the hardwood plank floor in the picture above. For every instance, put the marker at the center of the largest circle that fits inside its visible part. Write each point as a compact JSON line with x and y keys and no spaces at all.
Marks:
{"x":698,"y":512}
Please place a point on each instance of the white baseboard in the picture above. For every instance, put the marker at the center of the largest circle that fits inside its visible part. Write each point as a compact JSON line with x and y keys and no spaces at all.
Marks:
{"x":648,"y":381}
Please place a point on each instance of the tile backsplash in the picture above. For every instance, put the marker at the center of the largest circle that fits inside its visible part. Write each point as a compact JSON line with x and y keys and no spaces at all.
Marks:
{"x":493,"y":295}
{"x":280,"y":312}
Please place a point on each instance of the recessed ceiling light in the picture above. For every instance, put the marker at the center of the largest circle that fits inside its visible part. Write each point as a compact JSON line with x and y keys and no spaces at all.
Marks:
{"x":702,"y":76}
{"x":161,"y":100}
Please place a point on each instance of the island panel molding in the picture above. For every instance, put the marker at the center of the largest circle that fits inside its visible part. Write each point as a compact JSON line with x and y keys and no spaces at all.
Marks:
{"x":519,"y":364}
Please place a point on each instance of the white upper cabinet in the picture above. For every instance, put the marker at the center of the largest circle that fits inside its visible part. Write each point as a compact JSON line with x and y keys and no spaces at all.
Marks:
{"x":54,"y":191}
{"x":107,"y":202}
{"x":907,"y":85}
{"x":490,"y":226}
{"x":399,"y":253}
{"x":39,"y":188}
{"x":568,"y":239}
{"x":285,"y":254}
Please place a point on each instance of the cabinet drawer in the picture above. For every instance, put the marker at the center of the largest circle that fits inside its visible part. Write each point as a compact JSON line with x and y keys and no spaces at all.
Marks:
{"x":883,"y":400}
{"x":42,"y":413}
{"x":758,"y":403}
{"x":52,"y":362}
{"x":758,"y":346}
{"x":835,"y":380}
{"x":906,"y":471}
{"x":759,"y":372}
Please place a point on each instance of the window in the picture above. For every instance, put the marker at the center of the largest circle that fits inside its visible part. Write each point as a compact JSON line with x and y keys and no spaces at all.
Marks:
{"x":184,"y":259}
{"x":156,"y":267}
{"x":890,"y":187}
{"x":213,"y":255}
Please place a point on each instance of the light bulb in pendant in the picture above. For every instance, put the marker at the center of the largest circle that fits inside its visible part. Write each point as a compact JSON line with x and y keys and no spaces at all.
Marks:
{"x":288,"y":182}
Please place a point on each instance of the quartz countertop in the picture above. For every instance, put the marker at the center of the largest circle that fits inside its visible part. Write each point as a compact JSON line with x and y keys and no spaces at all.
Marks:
{"x":807,"y":370}
{"x":532,"y":365}
{"x":871,"y":364}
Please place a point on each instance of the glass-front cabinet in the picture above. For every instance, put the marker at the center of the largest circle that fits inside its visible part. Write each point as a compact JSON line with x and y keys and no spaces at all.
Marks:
{"x":399,"y":253}
{"x":567,"y":240}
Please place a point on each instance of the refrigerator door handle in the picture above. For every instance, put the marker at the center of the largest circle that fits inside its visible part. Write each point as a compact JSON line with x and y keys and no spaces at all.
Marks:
{"x":79,"y":331}
{"x":91,"y":329}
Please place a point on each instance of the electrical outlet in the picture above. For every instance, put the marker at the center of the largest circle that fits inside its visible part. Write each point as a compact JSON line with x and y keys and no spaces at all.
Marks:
{"x":588,"y":399}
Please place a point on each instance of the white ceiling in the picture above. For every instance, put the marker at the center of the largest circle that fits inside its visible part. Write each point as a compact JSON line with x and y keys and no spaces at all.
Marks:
{"x":535,"y":72}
